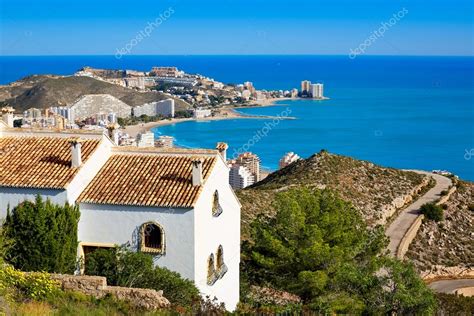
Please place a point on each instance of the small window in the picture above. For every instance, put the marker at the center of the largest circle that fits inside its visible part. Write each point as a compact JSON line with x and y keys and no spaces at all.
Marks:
{"x":221,"y":268}
{"x":216,"y":207}
{"x":211,"y":271}
{"x":152,"y":238}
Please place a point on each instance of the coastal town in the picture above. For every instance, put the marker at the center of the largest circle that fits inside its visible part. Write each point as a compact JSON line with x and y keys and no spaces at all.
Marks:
{"x":207,"y":98}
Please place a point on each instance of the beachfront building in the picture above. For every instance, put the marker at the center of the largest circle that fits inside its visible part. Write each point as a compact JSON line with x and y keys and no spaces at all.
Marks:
{"x":294,"y":93}
{"x":251,"y":162}
{"x":146,"y":139}
{"x":177,"y":204}
{"x":164,"y":108}
{"x":305,"y":87}
{"x":317,"y":91}
{"x":240,"y":177}
{"x":201,"y":113}
{"x":288,"y":159}
{"x":165,"y":141}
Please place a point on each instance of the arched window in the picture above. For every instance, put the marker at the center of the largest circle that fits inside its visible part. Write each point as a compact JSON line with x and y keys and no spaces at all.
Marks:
{"x":152,"y":238}
{"x":211,"y":270}
{"x":221,"y":267}
{"x":220,"y":257}
{"x":216,"y":207}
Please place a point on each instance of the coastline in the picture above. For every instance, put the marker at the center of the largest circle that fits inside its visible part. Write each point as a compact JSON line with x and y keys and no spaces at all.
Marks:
{"x":224,"y":113}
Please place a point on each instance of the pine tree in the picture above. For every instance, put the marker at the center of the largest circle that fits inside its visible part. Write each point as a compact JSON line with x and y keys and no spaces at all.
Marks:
{"x":43,"y":236}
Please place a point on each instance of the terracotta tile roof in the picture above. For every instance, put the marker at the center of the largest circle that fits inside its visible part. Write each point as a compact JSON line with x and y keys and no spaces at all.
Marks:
{"x":160,"y":180}
{"x":39,"y":162}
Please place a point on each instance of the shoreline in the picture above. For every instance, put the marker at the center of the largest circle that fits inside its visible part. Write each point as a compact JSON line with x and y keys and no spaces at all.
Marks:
{"x":224,"y":113}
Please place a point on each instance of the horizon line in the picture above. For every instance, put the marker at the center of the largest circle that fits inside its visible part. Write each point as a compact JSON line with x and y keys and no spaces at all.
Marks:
{"x":243,"y":55}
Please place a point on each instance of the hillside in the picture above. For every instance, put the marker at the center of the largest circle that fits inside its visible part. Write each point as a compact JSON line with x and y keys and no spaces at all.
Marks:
{"x":45,"y":91}
{"x":377,"y":192}
{"x":449,"y":242}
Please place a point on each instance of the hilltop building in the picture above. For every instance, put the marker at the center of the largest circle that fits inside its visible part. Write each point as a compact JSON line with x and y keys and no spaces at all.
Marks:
{"x":175,"y":204}
{"x":288,"y":159}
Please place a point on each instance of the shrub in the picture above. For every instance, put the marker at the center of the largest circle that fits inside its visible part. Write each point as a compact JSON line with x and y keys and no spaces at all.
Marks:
{"x":43,"y":236}
{"x":124,"y":267}
{"x":471,"y":207}
{"x":35,"y":285}
{"x":432,"y":212}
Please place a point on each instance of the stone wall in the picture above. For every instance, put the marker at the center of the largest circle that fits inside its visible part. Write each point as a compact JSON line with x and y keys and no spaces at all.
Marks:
{"x":97,"y":287}
{"x":439,"y":272}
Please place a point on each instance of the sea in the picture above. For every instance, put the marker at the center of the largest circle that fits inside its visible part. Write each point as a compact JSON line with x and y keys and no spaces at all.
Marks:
{"x":411,"y":112}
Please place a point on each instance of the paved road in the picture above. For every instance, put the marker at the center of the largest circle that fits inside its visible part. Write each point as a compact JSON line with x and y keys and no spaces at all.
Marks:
{"x":400,"y":225}
{"x":449,"y":286}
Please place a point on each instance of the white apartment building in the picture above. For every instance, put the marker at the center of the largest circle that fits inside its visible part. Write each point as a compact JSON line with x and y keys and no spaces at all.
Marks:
{"x":201,"y":113}
{"x":164,"y":107}
{"x":317,"y":90}
{"x":146,"y":139}
{"x":288,"y":159}
{"x":240,"y":177}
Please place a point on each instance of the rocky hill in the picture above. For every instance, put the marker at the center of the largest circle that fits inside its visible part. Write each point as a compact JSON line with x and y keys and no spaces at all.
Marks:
{"x":45,"y":91}
{"x":377,"y":192}
{"x":448,"y":243}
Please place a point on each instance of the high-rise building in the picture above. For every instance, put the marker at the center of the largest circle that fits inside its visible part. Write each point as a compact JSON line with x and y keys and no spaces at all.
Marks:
{"x":317,"y":90}
{"x":305,"y":86}
{"x":251,"y":162}
{"x":287,"y":159}
{"x":240,"y":177}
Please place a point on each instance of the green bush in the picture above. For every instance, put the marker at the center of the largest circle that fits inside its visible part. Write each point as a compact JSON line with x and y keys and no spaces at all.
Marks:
{"x":432,"y":212}
{"x":318,"y":247}
{"x":123,"y":267}
{"x":43,"y":236}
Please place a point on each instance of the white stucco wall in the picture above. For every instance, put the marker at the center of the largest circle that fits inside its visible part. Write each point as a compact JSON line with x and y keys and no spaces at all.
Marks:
{"x":214,"y":231}
{"x":89,"y":169}
{"x":117,"y":224}
{"x":14,"y":196}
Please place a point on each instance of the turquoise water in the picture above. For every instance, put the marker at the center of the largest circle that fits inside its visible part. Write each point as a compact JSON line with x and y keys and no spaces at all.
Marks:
{"x":404,"y":112}
{"x":402,"y":128}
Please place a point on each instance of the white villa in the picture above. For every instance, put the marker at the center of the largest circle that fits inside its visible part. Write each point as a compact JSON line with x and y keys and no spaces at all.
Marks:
{"x":177,"y":205}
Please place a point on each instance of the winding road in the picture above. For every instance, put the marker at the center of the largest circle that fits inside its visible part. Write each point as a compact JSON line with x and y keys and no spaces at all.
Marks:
{"x":407,"y":217}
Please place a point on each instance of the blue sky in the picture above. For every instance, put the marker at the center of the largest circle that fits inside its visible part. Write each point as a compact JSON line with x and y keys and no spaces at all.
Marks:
{"x":103,"y":27}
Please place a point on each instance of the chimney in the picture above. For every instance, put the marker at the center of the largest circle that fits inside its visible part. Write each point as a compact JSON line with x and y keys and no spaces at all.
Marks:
{"x":7,"y":115}
{"x":197,"y":172}
{"x":113,"y":132}
{"x":76,"y":155}
{"x":222,"y":148}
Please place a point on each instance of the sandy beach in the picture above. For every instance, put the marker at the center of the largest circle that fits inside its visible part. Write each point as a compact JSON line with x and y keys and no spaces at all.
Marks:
{"x":224,"y":113}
